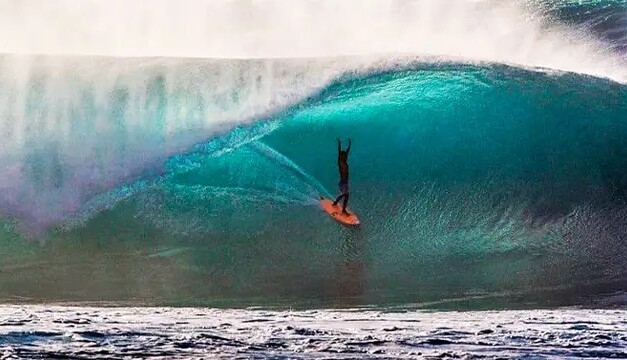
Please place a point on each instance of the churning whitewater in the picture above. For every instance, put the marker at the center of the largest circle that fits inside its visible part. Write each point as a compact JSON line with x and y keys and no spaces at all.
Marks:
{"x":487,"y":168}
{"x":190,"y":333}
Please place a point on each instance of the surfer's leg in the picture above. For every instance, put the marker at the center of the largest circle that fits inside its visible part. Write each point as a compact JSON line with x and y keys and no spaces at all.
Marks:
{"x":345,"y":191}
{"x":337,"y":199}
{"x":343,"y":185}
{"x":345,"y":203}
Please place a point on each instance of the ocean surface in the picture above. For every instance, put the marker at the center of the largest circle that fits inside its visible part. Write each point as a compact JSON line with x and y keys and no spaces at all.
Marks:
{"x":173,"y":156}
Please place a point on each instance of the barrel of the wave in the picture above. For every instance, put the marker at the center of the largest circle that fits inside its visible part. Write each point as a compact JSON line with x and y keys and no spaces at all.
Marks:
{"x":336,"y":213}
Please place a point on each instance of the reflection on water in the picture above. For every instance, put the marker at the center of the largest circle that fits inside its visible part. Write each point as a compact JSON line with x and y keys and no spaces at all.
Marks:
{"x":351,"y":269}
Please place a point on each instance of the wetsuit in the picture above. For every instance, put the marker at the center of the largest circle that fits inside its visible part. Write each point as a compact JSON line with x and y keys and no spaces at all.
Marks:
{"x":342,"y":163}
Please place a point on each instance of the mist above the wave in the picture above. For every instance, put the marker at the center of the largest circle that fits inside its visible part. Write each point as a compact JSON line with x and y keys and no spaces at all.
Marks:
{"x":484,"y":30}
{"x":74,"y":127}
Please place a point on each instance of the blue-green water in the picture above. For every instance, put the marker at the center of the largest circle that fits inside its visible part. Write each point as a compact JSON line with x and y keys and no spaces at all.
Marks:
{"x":478,"y":184}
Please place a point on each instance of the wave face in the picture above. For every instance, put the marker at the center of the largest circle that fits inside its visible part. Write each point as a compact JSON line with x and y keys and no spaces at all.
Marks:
{"x":195,"y":181}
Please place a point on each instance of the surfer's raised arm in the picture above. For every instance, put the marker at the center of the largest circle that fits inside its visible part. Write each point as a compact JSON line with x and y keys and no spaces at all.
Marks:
{"x":349,"y":146}
{"x":339,"y":146}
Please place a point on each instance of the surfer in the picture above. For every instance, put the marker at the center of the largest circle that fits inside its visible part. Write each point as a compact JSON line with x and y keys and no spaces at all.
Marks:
{"x":342,"y":163}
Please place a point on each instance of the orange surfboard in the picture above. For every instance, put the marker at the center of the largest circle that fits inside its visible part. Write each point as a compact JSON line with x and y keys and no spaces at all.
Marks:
{"x":335,"y":212}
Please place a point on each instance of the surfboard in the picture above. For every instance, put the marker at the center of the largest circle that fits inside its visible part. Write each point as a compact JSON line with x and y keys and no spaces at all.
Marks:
{"x":335,"y":212}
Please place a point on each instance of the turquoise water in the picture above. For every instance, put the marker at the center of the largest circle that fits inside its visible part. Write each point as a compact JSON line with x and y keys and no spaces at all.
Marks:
{"x":511,"y":180}
{"x":478,"y":184}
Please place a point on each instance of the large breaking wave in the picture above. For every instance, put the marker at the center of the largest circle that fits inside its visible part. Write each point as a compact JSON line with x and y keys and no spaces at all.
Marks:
{"x":490,"y":146}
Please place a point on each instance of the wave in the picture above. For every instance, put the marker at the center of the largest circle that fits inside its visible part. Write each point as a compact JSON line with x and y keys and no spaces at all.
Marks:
{"x":128,"y":116}
{"x":607,"y":20}
{"x":512,"y":180}
{"x":468,"y":158}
